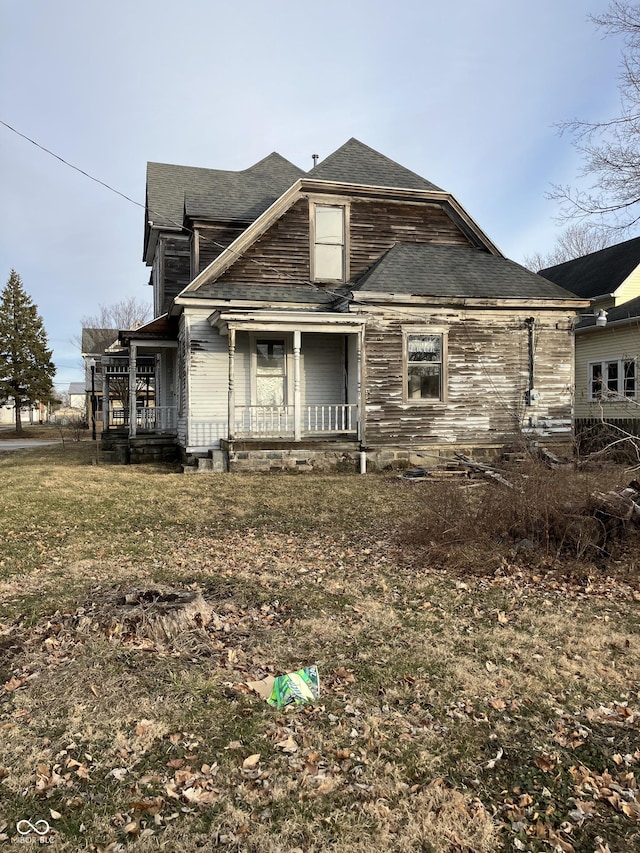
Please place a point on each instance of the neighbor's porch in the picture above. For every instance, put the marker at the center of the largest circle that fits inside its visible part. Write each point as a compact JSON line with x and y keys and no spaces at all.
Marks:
{"x":141,"y":381}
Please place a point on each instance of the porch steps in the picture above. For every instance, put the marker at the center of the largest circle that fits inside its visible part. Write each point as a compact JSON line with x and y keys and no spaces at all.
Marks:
{"x":116,"y":448}
{"x":216,"y":462}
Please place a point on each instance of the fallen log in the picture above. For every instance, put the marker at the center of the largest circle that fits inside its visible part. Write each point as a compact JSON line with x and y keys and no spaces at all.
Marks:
{"x":486,"y":470}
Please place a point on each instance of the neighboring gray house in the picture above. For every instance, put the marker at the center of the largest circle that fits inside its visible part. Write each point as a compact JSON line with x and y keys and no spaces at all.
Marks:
{"x":355,"y":311}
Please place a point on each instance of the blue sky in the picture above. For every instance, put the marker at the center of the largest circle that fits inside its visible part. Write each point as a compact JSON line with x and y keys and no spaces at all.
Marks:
{"x":465,"y":94}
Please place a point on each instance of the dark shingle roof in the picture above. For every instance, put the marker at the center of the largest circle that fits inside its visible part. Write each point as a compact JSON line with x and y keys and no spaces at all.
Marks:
{"x":356,"y":163}
{"x":76,"y":388}
{"x":598,"y":273}
{"x":421,"y":269}
{"x":304,"y":294}
{"x":96,"y":341}
{"x":216,"y":193}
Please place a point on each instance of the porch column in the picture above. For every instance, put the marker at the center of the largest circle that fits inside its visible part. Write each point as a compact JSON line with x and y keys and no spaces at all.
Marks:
{"x":105,"y":399}
{"x":359,"y":385}
{"x":232,"y":379}
{"x":297,"y":402}
{"x":133,"y":356}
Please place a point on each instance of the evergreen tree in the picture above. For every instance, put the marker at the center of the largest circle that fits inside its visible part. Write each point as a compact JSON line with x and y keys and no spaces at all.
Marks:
{"x":26,"y":369}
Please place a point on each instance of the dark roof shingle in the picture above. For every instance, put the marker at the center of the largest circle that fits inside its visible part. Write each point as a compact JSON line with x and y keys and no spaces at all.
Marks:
{"x":425,"y":269}
{"x":356,"y":163}
{"x":598,"y":273}
{"x":216,"y":193}
{"x":304,"y":294}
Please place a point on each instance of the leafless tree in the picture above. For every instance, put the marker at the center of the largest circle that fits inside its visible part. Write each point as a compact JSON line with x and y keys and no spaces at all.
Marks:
{"x":126,"y":314}
{"x":611,"y":148}
{"x":576,"y":240}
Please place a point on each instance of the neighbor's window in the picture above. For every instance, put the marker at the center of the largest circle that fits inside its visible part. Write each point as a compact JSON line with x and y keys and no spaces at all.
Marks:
{"x":329,"y":243}
{"x":425,"y":367}
{"x":613,"y":380}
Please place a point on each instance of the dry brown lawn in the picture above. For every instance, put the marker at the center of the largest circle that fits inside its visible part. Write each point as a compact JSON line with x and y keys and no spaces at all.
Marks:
{"x":475,"y":696}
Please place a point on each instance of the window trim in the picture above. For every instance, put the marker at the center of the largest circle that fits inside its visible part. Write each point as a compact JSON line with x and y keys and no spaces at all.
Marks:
{"x":417,"y":331}
{"x":618,"y":396}
{"x":346,"y":218}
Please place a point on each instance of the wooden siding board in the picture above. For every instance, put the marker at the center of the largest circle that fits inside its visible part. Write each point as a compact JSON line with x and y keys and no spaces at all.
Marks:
{"x":208,"y":375}
{"x":376,"y":226}
{"x":487,"y":368}
{"x":176,"y":267}
{"x":282,"y":255}
{"x":212,"y":240}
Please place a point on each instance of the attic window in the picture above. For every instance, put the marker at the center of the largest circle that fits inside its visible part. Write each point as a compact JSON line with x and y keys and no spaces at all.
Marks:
{"x":329,"y":243}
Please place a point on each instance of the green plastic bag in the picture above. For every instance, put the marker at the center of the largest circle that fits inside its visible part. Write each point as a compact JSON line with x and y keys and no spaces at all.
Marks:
{"x":297,"y":687}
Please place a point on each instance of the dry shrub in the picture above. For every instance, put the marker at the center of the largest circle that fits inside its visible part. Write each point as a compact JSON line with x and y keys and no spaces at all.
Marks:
{"x":546,"y":515}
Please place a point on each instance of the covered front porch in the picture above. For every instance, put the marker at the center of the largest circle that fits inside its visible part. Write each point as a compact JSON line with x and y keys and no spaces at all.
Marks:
{"x":292,"y":376}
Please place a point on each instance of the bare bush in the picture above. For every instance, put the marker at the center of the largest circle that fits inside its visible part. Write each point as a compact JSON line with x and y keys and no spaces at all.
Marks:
{"x":547,"y":516}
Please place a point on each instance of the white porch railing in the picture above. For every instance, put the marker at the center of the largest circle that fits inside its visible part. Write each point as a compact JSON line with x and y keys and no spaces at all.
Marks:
{"x":158,"y":418}
{"x":330,"y":418}
{"x":257,"y":421}
{"x":151,"y":418}
{"x":279,"y":421}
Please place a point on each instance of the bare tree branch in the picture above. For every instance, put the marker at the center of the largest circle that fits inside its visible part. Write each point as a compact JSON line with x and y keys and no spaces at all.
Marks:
{"x":610,"y":148}
{"x":580,"y":238}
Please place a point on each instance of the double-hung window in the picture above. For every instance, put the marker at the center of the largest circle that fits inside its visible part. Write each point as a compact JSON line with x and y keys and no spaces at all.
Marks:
{"x":614,"y":379}
{"x":425,"y":367}
{"x":329,"y":243}
{"x":271,"y":372}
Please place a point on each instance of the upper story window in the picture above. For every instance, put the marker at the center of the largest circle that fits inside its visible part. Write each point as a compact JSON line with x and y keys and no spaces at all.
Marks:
{"x":329,"y":255}
{"x":612,"y":380}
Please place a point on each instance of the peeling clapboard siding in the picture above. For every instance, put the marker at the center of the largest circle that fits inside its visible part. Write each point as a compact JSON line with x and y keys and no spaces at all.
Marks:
{"x":487,"y":376}
{"x":212,"y":240}
{"x":208,"y":381}
{"x":279,"y":256}
{"x":282,"y":255}
{"x":376,"y":226}
{"x":175,"y":264}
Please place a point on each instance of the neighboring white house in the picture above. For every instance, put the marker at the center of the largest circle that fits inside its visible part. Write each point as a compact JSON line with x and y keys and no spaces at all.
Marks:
{"x":30,"y":414}
{"x":78,"y":396}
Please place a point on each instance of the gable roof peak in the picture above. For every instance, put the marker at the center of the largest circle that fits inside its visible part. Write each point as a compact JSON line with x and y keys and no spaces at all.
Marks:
{"x":357,"y":163}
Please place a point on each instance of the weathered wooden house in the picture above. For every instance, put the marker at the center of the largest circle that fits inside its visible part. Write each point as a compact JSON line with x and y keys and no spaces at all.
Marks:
{"x":308,"y":318}
{"x":606,"y":356}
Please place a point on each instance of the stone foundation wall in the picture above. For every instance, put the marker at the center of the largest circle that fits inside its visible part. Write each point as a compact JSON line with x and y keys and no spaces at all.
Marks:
{"x":294,"y":460}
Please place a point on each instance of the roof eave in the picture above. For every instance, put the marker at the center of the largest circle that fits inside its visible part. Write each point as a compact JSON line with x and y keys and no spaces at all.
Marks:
{"x":372,"y":297}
